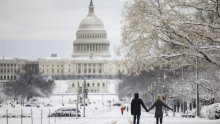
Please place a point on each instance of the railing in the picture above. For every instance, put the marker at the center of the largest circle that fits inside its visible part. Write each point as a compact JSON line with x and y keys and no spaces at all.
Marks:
{"x":34,"y":115}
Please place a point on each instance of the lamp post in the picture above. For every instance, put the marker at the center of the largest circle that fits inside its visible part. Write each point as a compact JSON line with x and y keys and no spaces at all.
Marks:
{"x":197,"y":90}
{"x":164,"y":89}
{"x":62,"y":99}
{"x":85,"y":95}
{"x":77,"y":99}
{"x":154,"y":91}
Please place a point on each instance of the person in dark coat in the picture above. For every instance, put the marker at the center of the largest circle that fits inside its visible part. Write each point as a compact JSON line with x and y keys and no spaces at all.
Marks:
{"x":136,"y":104}
{"x":159,"y":112}
{"x":122,"y":109}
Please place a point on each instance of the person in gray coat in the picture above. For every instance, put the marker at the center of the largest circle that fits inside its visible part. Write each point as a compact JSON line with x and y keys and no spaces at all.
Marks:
{"x":136,"y":104}
{"x":159,"y":104}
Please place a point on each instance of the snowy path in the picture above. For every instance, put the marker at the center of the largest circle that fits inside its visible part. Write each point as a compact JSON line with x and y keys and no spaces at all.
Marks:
{"x":108,"y":117}
{"x":114,"y":117}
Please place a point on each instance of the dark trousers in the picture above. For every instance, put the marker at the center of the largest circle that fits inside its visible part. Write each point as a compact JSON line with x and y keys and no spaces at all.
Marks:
{"x":161,"y":120}
{"x":136,"y":117}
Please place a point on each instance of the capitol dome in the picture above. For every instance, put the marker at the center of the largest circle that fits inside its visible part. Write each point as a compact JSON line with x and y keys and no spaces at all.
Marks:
{"x":91,"y":22}
{"x":91,"y":37}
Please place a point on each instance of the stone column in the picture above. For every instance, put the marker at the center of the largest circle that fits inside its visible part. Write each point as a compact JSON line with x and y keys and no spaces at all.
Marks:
{"x":90,"y":45}
{"x":93,"y":46}
{"x":100,"y":47}
{"x":105,"y":47}
{"x":82,"y":47}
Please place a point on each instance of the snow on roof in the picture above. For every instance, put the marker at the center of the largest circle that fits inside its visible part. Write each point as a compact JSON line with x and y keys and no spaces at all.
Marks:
{"x":54,"y":58}
{"x":4,"y":58}
{"x":95,"y":58}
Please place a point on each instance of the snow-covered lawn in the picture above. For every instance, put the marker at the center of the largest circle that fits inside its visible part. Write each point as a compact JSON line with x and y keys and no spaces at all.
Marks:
{"x":102,"y":115}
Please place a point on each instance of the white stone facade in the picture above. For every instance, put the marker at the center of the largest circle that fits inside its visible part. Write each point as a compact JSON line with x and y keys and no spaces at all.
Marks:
{"x":91,"y":59}
{"x":9,"y":69}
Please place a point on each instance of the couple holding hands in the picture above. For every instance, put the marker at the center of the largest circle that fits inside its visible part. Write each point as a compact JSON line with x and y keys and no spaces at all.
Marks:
{"x":136,"y":104}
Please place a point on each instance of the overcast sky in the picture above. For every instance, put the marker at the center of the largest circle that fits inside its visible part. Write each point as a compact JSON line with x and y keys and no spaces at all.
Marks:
{"x":32,"y":29}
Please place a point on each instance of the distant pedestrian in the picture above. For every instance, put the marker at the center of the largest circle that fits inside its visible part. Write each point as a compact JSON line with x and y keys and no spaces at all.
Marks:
{"x":122,"y":110}
{"x":159,"y":112}
{"x":127,"y":108}
{"x":136,"y":104}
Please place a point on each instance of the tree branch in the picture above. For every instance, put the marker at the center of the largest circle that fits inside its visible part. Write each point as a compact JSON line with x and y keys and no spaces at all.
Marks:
{"x":203,"y":24}
{"x":197,"y":8}
{"x":206,"y":57}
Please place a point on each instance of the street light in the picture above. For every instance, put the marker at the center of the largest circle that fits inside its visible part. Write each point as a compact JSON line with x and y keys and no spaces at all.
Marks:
{"x":85,"y":95}
{"x":197,"y":90}
{"x":164,"y":88}
{"x":62,"y":99}
{"x":77,"y":97}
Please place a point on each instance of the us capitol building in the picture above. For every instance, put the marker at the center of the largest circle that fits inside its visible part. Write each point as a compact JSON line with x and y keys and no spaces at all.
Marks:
{"x":91,"y":60}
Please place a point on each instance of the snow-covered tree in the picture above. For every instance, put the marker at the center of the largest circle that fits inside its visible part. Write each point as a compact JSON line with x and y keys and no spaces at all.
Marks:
{"x":136,"y":83}
{"x":170,"y":33}
{"x":184,"y":86}
{"x":29,"y":84}
{"x":148,"y":84}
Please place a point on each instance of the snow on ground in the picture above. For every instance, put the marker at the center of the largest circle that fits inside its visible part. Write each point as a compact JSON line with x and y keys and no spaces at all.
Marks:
{"x":61,"y":86}
{"x":102,"y":115}
{"x":60,"y":94}
{"x":98,"y":112}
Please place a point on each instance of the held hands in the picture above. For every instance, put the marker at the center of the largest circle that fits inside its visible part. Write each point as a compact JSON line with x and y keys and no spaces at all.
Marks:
{"x":171,"y":109}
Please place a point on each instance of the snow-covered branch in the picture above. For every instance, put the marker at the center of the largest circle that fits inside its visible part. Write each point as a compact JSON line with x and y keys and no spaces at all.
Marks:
{"x":170,"y":33}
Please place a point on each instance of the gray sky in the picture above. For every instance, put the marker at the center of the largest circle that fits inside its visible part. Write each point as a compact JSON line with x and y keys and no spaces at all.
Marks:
{"x":34,"y":29}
